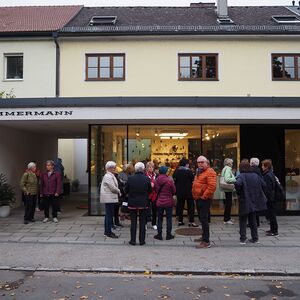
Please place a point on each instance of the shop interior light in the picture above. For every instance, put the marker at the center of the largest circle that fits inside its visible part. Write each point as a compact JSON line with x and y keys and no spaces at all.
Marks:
{"x":171,"y":137}
{"x":173,"y":134}
{"x":137,"y":133}
{"x":156,"y":133}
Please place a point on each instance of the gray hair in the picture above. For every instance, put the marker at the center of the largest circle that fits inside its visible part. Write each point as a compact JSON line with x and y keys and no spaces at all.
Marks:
{"x":254,"y":161}
{"x":139,"y":167}
{"x":201,"y":157}
{"x":149,"y":164}
{"x":50,"y":162}
{"x":228,"y":161}
{"x":125,"y":167}
{"x":31,"y":165}
{"x":110,"y":165}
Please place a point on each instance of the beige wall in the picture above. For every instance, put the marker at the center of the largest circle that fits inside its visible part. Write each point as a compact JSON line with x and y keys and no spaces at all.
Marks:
{"x":38,"y":68}
{"x":152,"y":68}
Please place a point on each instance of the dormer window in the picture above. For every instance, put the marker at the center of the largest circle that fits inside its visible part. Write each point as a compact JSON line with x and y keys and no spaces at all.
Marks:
{"x":290,"y":19}
{"x":103,"y":20}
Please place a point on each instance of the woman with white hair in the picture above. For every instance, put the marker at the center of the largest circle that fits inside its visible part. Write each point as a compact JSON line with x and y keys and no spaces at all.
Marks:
{"x":109,"y":195}
{"x":29,"y":186}
{"x":229,"y":177}
{"x":138,"y":188}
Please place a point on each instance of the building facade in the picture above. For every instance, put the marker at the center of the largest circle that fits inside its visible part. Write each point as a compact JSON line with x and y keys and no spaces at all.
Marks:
{"x":161,"y":83}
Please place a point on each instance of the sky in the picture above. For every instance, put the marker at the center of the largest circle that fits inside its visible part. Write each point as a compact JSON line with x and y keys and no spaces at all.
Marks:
{"x":138,"y":2}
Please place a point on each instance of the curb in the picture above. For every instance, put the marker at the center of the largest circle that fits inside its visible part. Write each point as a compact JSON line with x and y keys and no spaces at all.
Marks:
{"x":250,"y":273}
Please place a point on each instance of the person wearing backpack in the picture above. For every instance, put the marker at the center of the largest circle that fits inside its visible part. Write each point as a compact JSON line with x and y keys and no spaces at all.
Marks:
{"x":165,"y":190}
{"x":270,"y":192}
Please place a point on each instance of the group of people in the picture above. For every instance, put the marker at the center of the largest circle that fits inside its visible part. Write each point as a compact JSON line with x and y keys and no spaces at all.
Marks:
{"x":42,"y":190}
{"x":149,"y":196}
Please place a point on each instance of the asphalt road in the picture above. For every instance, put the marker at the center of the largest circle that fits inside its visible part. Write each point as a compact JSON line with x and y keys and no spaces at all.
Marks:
{"x":88,"y":286}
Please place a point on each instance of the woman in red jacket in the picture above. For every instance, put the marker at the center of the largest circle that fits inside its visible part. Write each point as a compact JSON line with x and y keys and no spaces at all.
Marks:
{"x":165,"y":189}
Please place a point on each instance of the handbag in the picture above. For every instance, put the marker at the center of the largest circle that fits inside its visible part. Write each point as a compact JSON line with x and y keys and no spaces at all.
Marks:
{"x":225,"y":185}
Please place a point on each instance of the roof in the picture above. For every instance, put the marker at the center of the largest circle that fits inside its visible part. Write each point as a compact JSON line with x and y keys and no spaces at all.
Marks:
{"x":35,"y":18}
{"x":176,"y":20}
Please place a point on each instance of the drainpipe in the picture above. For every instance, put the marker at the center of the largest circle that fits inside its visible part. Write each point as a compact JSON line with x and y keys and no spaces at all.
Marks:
{"x":57,"y":64}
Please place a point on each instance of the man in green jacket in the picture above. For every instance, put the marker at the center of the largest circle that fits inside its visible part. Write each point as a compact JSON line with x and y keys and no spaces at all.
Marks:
{"x":29,"y":186}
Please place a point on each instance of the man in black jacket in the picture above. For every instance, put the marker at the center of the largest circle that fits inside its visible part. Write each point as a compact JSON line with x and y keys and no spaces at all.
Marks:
{"x":183,"y":178}
{"x":138,"y":188}
{"x":270,"y":180}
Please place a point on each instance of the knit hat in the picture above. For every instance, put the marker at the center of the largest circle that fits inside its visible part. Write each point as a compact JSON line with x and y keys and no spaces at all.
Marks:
{"x":163,"y":170}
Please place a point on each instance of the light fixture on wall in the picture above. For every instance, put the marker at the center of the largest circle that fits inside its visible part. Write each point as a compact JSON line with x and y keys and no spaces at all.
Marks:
{"x":173,"y":135}
{"x":156,"y":132}
{"x":137,"y":133}
{"x":210,"y":135}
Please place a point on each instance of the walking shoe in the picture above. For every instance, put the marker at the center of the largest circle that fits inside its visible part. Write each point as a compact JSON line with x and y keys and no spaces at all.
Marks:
{"x":253,"y":241}
{"x":170,"y":237}
{"x":142,"y":243}
{"x":243,"y":242}
{"x":45,"y":220}
{"x":203,"y":245}
{"x":32,"y":220}
{"x":155,"y":227}
{"x":112,"y":236}
{"x":55,"y":220}
{"x":181,"y":224}
{"x":158,"y":237}
{"x":228,"y":222}
{"x":193,"y":225}
{"x":270,"y":233}
{"x":198,"y":240}
{"x":26,"y":222}
{"x":131,"y":243}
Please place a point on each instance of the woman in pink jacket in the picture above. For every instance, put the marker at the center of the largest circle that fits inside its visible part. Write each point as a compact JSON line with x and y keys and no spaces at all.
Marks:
{"x":165,"y":190}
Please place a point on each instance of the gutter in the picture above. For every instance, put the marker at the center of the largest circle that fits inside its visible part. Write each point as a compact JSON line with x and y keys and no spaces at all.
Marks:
{"x":57,"y":64}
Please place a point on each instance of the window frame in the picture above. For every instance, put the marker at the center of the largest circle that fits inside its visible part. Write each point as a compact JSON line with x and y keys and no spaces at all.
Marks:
{"x":111,"y":66}
{"x":6,"y":55}
{"x":204,"y":78}
{"x":296,"y":66}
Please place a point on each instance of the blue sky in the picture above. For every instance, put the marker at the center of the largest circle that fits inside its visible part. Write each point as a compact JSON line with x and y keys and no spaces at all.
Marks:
{"x":138,"y":2}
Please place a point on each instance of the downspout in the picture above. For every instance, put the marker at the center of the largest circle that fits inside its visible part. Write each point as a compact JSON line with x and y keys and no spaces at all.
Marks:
{"x":57,"y":64}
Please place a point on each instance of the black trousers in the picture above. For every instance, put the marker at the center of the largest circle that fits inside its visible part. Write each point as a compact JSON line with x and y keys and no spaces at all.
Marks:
{"x":251,"y":217}
{"x":116,"y":214}
{"x":48,"y":201}
{"x":272,"y":216}
{"x":30,"y":203}
{"x":203,"y":209}
{"x":228,"y":205}
{"x":180,"y":208}
{"x":160,"y":211}
{"x":133,"y":227}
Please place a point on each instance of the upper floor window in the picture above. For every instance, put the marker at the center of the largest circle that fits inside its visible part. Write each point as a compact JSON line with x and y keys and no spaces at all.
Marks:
{"x":105,"y":67}
{"x":198,"y":66}
{"x":286,"y":66}
{"x":13,"y":66}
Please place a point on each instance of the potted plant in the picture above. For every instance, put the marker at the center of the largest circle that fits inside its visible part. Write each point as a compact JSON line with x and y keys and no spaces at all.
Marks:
{"x":7,"y":196}
{"x":75,"y":185}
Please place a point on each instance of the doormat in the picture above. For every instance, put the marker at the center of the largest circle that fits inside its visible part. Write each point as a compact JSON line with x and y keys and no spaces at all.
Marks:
{"x":189,"y":231}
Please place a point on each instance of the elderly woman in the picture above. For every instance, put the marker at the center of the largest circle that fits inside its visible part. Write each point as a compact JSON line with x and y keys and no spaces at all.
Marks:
{"x":229,"y":178}
{"x":138,"y":188}
{"x":152,"y":211}
{"x":109,"y":195}
{"x":29,"y":186}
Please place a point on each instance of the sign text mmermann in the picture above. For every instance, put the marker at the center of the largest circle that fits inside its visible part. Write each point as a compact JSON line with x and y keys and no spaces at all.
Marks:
{"x":36,"y":113}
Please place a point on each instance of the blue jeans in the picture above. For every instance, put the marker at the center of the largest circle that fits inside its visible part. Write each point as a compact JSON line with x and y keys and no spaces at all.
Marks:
{"x":108,"y":221}
{"x":160,"y":213}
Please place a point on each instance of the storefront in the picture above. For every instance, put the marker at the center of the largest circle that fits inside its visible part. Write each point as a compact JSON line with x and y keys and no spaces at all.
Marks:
{"x":169,"y":143}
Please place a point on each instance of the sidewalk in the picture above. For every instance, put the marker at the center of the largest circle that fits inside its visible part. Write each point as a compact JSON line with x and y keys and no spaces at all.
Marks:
{"x":77,"y":243}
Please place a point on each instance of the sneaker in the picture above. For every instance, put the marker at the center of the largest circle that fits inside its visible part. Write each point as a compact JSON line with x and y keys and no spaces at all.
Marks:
{"x":193,"y":225}
{"x":158,"y":237}
{"x":112,"y":236}
{"x":55,"y":220}
{"x":45,"y":220}
{"x":229,"y":222}
{"x":181,"y":224}
{"x":253,"y":241}
{"x":170,"y":237}
{"x":243,"y":242}
{"x":270,"y":233}
{"x":200,"y":240}
{"x":203,"y":245}
{"x":155,"y":227}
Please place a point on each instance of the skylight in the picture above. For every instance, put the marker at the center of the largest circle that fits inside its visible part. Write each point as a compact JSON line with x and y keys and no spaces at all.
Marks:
{"x":290,"y":19}
{"x":103,"y":20}
{"x":225,"y":21}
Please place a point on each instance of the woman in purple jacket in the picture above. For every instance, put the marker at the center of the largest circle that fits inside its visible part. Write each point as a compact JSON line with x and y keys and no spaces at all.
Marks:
{"x":165,"y":190}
